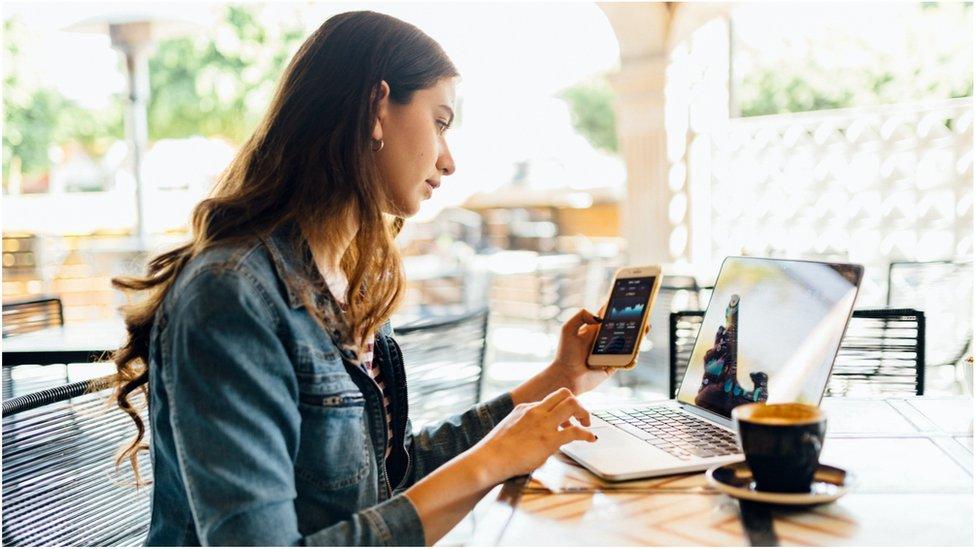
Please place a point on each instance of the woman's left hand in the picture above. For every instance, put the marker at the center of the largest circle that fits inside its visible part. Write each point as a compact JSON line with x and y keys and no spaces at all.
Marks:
{"x":568,"y":368}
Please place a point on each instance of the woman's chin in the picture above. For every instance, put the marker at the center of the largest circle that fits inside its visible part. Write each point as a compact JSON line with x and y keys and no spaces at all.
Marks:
{"x":405,"y":210}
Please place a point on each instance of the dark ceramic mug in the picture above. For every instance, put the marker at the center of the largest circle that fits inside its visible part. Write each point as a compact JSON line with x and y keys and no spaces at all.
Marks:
{"x":781,"y":443}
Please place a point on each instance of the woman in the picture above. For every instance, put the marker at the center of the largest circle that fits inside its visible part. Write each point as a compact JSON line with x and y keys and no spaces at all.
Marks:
{"x":277,"y":399}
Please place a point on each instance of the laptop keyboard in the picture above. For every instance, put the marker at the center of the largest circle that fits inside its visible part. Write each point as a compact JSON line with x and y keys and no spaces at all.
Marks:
{"x":681,"y":435}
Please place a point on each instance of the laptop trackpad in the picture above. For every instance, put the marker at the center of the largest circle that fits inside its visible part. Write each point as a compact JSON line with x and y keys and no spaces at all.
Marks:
{"x":617,"y":453}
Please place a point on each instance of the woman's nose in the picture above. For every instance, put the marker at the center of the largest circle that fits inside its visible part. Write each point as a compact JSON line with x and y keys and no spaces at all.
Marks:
{"x":445,"y":164}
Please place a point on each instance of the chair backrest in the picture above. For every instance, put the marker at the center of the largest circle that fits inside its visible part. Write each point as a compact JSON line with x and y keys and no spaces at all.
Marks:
{"x":676,"y":293}
{"x":882,"y":353}
{"x":944,"y":291}
{"x":683,"y":329}
{"x":444,"y":358}
{"x":547,"y":294}
{"x":28,"y":315}
{"x":60,"y":485}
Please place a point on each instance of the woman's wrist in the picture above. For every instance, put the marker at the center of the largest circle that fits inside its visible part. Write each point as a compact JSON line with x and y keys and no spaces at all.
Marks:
{"x":540,"y":385}
{"x":486,"y":468}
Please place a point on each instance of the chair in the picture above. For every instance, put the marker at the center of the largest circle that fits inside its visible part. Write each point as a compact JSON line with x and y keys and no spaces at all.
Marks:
{"x":683,"y":329}
{"x":677,"y":293}
{"x":60,"y":485}
{"x":444,"y":359}
{"x":29,"y":315}
{"x":882,"y":352}
{"x":545,"y":295}
{"x":22,"y":316}
{"x":944,"y":290}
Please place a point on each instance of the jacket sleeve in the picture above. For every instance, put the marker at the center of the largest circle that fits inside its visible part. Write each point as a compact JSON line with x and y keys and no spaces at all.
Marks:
{"x":233,"y":401}
{"x":433,"y":446}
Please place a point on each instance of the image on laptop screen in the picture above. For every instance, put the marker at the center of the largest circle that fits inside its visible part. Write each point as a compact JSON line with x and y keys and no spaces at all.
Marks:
{"x":770,"y":333}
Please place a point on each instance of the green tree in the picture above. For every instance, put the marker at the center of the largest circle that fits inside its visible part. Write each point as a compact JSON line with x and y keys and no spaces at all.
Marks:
{"x":212,"y":84}
{"x":592,"y":114}
{"x":218,"y":84}
{"x":37,"y":117}
{"x":930,"y":58}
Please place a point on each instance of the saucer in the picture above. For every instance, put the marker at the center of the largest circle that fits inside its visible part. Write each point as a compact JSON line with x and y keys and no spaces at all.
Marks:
{"x":735,"y":479}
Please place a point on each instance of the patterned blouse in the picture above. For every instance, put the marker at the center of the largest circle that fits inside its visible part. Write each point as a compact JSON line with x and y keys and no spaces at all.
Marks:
{"x":337,"y":285}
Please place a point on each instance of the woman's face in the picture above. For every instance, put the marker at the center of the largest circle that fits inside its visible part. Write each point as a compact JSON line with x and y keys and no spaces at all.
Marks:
{"x":415,"y":155}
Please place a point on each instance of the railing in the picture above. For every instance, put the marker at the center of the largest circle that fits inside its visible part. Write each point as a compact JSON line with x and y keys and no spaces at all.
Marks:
{"x":868,"y":184}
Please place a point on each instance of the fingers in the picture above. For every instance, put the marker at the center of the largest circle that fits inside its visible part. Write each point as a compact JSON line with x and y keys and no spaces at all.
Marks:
{"x":576,"y":433}
{"x":571,"y":407}
{"x":580,"y":319}
{"x":554,"y":398}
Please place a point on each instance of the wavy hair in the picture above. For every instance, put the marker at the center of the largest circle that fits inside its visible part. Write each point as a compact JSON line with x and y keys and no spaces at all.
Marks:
{"x":309,"y":162}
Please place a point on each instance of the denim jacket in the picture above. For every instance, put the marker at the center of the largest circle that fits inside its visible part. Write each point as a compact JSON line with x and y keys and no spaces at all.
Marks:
{"x":261,"y":433}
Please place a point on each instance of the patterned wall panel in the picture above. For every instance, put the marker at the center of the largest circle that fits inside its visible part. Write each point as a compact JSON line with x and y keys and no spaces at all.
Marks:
{"x":869,"y":185}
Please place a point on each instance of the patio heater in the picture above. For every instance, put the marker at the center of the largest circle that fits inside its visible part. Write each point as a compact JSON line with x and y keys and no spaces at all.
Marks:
{"x":134,"y":34}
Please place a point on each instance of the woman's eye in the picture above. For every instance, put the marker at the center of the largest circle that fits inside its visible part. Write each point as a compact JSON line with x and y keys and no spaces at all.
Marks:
{"x":442,"y":126}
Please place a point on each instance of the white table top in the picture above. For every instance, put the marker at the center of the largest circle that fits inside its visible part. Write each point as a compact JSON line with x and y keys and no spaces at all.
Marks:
{"x":913,"y":459}
{"x":104,"y":335}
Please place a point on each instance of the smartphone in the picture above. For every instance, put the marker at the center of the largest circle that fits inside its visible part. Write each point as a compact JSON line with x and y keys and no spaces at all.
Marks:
{"x":625,"y":317}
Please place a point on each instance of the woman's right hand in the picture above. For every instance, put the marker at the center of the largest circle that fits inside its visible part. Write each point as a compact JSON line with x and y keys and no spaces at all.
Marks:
{"x":523,"y":441}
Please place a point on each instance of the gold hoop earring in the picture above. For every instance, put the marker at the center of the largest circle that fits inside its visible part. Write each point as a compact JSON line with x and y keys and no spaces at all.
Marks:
{"x":375,"y":147}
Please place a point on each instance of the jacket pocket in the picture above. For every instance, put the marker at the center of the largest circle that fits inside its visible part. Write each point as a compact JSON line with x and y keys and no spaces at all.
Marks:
{"x":334,"y":449}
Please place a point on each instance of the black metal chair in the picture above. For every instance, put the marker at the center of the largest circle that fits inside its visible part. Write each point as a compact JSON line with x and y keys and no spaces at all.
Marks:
{"x":683,"y":329}
{"x":444,"y":359}
{"x":60,"y":485}
{"x":22,"y":316}
{"x":944,"y":290}
{"x":28,"y":315}
{"x":882,"y":352}
{"x":677,"y":293}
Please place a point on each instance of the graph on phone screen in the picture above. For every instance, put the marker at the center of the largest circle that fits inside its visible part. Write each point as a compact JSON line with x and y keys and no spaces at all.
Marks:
{"x":621,"y":326}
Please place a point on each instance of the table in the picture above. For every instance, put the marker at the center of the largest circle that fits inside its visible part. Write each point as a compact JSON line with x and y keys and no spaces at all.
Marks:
{"x":64,"y":344}
{"x":913,"y":458}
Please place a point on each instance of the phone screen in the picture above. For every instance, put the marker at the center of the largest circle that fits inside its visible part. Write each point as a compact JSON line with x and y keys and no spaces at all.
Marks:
{"x":621,"y":325}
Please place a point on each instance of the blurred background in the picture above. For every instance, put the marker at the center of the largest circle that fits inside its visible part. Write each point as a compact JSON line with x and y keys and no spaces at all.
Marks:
{"x":588,"y":136}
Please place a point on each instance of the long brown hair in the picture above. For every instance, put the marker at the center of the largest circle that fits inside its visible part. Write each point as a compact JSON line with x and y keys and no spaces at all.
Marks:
{"x":309,"y":162}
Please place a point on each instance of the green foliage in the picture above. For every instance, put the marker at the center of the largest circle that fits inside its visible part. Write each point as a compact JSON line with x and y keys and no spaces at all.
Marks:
{"x":37,"y":117}
{"x":591,"y":110}
{"x":218,"y":85}
{"x":930,"y":58}
{"x":773,"y":91}
{"x":213,"y":84}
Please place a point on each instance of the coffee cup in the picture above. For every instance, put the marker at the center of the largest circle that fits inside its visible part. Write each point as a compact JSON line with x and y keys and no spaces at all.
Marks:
{"x":781,"y":443}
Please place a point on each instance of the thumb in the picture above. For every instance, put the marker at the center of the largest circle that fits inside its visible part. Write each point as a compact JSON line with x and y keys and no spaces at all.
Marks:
{"x":580,"y":319}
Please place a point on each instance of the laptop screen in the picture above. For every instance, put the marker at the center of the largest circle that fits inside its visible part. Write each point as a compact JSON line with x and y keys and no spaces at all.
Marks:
{"x":770,"y":333}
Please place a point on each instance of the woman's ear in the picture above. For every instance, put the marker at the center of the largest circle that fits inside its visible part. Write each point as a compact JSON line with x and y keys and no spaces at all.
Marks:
{"x":381,"y":97}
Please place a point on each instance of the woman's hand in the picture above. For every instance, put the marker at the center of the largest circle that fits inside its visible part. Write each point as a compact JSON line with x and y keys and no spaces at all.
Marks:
{"x":523,"y":441}
{"x":568,"y":368}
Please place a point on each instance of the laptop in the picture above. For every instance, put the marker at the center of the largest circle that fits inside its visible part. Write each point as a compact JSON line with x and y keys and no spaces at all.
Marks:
{"x":770,"y":334}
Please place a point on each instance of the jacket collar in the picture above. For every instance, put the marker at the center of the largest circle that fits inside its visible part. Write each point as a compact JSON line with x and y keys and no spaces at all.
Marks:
{"x":290,"y":256}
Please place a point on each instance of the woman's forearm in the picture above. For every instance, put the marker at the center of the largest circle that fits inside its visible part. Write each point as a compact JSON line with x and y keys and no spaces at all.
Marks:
{"x":537,"y":387}
{"x":445,"y":496}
